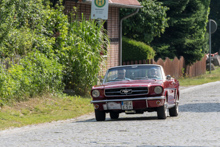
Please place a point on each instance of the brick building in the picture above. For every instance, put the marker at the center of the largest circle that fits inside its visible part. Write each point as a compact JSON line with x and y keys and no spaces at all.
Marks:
{"x":112,"y":24}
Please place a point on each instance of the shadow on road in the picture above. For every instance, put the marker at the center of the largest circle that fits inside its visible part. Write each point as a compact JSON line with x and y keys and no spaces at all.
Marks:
{"x":120,"y":119}
{"x":133,"y":119}
{"x":200,"y":107}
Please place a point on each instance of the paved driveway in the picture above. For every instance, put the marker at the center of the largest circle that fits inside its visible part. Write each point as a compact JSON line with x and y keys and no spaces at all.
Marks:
{"x":198,"y":124}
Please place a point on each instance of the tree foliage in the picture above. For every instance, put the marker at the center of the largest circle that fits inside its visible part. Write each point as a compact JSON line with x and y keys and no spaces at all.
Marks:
{"x":186,"y":33}
{"x":33,"y":26}
{"x":150,"y":21}
{"x":215,"y":15}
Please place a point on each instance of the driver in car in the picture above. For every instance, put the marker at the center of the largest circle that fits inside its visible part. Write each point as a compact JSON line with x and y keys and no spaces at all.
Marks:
{"x":153,"y":73}
{"x":121,"y":75}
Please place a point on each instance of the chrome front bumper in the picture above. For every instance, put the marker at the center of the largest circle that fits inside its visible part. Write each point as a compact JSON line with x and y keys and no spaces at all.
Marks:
{"x":131,"y":99}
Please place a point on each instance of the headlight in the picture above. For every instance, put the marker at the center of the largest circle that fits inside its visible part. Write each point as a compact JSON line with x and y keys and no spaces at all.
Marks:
{"x":95,"y":93}
{"x":158,"y":90}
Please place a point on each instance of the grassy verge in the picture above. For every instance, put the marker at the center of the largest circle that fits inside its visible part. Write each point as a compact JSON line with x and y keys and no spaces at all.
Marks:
{"x":48,"y":108}
{"x":43,"y":109}
{"x":206,"y":78}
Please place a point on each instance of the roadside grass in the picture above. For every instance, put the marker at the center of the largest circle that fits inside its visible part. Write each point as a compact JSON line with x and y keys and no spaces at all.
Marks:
{"x":43,"y":109}
{"x":206,"y":78}
{"x":52,"y":108}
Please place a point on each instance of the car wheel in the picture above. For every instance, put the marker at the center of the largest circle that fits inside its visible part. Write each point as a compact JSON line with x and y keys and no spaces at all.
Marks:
{"x":162,"y":112}
{"x":100,"y":115}
{"x":114,"y":115}
{"x":174,"y":111}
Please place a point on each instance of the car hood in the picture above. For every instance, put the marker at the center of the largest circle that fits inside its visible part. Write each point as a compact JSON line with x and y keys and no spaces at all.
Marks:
{"x":132,"y":83}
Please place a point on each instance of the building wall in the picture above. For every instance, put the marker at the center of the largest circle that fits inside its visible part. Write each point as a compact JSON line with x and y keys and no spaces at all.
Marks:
{"x":112,"y":28}
{"x":113,"y":33}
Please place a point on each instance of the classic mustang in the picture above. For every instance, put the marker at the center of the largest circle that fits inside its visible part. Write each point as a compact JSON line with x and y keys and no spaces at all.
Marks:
{"x":135,"y":89}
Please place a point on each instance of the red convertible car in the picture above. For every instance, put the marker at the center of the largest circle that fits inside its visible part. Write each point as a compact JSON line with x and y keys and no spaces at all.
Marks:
{"x":135,"y":89}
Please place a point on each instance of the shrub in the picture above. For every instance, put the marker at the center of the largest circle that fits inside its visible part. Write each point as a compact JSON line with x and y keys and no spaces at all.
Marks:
{"x":17,"y":42}
{"x":8,"y":86}
{"x":135,"y":50}
{"x":45,"y":74}
{"x":35,"y":75}
{"x":81,"y":56}
{"x":33,"y":26}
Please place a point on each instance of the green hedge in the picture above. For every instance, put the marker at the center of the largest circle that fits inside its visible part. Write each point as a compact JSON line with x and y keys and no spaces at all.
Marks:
{"x":35,"y":75}
{"x":133,"y":50}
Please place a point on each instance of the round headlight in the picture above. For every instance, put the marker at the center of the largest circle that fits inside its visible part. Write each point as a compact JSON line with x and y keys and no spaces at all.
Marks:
{"x":158,"y":90}
{"x":95,"y":93}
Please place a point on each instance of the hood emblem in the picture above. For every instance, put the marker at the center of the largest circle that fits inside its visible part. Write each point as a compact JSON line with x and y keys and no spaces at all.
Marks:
{"x":126,"y":91}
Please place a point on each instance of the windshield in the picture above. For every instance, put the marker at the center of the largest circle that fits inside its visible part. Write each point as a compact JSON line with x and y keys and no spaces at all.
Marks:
{"x":127,"y":73}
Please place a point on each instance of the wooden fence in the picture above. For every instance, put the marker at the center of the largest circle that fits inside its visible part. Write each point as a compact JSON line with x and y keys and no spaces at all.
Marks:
{"x":197,"y":68}
{"x":176,"y":67}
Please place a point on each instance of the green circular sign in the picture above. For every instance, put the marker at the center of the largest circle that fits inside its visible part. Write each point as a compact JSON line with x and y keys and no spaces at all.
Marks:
{"x":100,"y":3}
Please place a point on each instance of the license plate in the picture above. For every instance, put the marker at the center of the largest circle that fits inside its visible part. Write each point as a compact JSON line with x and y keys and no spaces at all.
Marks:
{"x":127,"y":105}
{"x":113,"y":105}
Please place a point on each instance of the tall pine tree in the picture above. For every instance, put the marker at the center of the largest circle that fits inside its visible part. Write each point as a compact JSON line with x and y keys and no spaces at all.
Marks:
{"x":215,"y":15}
{"x":186,"y":33}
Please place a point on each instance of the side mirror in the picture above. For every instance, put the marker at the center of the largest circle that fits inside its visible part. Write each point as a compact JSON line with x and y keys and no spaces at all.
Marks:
{"x":168,"y":77}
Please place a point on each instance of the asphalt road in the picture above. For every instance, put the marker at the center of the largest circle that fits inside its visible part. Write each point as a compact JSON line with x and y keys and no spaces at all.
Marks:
{"x":198,"y":124}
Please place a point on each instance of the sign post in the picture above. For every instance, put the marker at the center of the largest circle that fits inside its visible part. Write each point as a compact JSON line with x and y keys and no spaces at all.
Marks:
{"x":99,"y":9}
{"x":212,"y":28}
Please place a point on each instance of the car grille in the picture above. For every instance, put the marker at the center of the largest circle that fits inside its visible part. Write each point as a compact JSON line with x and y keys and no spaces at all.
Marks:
{"x":131,"y":91}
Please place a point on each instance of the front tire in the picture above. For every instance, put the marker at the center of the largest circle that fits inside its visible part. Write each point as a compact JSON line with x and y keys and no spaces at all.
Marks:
{"x":162,"y":112}
{"x":99,"y":115}
{"x":175,"y":110}
{"x":114,"y":115}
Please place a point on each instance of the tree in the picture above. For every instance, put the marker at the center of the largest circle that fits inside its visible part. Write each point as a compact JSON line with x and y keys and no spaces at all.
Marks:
{"x":186,"y":33}
{"x":215,"y":15}
{"x":150,"y":21}
{"x":27,"y":25}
